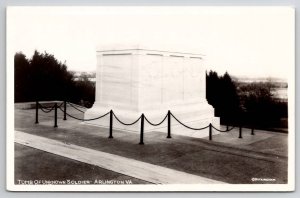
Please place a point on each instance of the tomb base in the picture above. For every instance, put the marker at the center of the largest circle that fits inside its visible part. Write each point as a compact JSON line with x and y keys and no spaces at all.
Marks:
{"x":195,"y":115}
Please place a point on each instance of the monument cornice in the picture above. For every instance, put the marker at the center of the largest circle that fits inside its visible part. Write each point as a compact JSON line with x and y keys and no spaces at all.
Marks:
{"x":150,"y":52}
{"x":141,"y":49}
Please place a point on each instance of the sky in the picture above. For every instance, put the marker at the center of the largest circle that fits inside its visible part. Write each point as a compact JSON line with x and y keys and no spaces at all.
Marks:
{"x":244,"y":41}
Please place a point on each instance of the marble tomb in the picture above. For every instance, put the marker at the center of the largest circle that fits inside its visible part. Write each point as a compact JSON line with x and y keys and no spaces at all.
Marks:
{"x":134,"y":80}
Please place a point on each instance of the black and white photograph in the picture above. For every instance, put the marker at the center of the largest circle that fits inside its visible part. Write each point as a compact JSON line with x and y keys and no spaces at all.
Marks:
{"x":150,"y":98}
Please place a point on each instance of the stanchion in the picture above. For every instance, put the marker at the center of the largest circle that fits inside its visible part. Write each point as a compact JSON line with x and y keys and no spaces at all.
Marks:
{"x":227,"y":127}
{"x":240,"y":132}
{"x":36,"y":112}
{"x":252,"y":131}
{"x":142,"y":130}
{"x":110,"y":124}
{"x":65,"y":110}
{"x":55,"y":115}
{"x":169,"y":124}
{"x":210,"y":131}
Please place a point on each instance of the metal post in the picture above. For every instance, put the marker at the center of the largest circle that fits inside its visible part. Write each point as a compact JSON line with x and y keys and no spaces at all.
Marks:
{"x":252,"y":131}
{"x":65,"y":110}
{"x":36,"y":112}
{"x":169,"y":124}
{"x":110,"y":124}
{"x":210,"y":131}
{"x":55,"y":115}
{"x":142,"y":130}
{"x":227,"y":127}
{"x":240,"y":132}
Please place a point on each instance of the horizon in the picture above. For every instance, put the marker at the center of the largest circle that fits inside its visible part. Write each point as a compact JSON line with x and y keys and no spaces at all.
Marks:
{"x":219,"y":73}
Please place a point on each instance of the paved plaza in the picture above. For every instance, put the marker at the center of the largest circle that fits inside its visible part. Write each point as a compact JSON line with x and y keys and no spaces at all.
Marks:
{"x":225,"y":159}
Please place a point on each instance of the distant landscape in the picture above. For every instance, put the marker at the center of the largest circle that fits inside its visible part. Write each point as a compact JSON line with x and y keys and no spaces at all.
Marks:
{"x":279,"y":88}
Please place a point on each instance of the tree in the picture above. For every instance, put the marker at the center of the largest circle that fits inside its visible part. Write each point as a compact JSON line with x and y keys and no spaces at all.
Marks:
{"x":212,"y":88}
{"x":229,"y":105}
{"x":221,"y":93}
{"x":260,"y":106}
{"x":86,"y":89}
{"x":21,"y":77}
{"x":50,"y":78}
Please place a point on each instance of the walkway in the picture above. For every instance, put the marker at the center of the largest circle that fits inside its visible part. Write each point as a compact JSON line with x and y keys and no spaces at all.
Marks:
{"x":137,"y":169}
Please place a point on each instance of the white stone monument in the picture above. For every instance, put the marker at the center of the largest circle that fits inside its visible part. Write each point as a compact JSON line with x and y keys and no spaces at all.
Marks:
{"x":134,"y":80}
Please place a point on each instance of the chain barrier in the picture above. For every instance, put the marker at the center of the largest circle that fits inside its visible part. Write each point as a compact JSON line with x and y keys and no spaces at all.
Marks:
{"x":75,"y":107}
{"x":222,"y":131}
{"x":157,"y":123}
{"x":188,"y":126}
{"x":47,"y":109}
{"x":169,"y":115}
{"x":81,"y":119}
{"x":126,"y":123}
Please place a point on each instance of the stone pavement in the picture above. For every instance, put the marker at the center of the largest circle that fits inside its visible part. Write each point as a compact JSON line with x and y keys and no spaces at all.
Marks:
{"x":262,"y":141}
{"x":223,"y":159}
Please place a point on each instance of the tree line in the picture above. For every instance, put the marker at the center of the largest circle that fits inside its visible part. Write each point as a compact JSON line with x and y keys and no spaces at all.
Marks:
{"x":247,"y":104}
{"x":43,"y":77}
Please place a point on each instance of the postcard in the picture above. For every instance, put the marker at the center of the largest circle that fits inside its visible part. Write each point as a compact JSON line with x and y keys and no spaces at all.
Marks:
{"x":158,"y":98}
